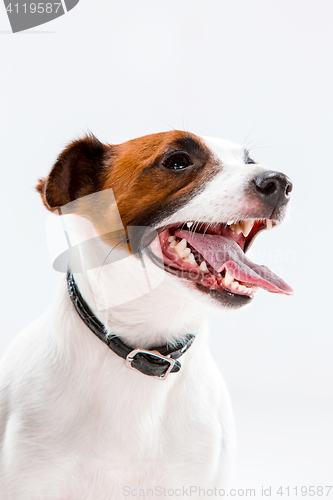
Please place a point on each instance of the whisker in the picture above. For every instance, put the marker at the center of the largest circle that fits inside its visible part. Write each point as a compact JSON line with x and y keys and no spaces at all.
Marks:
{"x":121,"y":241}
{"x":244,"y":142}
{"x":293,"y":209}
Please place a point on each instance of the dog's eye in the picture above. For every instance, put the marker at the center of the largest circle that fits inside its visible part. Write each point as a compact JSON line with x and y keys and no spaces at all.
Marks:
{"x":177,"y":161}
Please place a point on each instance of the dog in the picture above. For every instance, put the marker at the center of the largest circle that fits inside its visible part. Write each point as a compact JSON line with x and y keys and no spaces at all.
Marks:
{"x":113,"y":392}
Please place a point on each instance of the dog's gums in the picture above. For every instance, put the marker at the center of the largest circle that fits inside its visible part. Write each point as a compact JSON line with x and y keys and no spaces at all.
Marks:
{"x":213,"y":256}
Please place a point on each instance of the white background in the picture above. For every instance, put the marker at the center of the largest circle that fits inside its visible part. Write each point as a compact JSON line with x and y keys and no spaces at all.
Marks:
{"x":256,"y":72}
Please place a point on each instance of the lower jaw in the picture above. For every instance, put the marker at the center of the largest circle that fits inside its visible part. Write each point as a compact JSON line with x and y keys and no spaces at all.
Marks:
{"x":220,"y":295}
{"x":227,"y":299}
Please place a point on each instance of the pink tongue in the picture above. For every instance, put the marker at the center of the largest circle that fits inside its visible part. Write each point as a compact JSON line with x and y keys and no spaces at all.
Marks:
{"x":224,"y":253}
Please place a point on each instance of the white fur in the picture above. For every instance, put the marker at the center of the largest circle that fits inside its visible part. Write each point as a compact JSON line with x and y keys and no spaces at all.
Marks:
{"x":224,"y":198}
{"x":76,"y":424}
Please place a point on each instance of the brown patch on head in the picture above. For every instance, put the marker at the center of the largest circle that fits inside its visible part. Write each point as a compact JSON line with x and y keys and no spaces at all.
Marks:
{"x":140,"y":173}
{"x":145,"y":189}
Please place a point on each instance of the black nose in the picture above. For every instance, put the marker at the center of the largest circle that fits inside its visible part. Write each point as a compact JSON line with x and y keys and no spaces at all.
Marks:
{"x":273,"y":187}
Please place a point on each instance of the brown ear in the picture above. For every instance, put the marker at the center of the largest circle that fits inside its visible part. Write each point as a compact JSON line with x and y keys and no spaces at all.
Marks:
{"x":76,"y":173}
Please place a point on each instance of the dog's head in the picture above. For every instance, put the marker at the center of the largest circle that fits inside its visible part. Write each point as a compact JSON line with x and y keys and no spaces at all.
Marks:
{"x":199,"y":204}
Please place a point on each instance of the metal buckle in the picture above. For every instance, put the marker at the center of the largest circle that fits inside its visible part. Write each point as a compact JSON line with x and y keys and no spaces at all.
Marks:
{"x":130,"y":357}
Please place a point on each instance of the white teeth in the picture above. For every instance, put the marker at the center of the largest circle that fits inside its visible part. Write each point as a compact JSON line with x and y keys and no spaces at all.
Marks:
{"x":203,"y":266}
{"x":189,"y":224}
{"x":183,"y":251}
{"x":247,"y":226}
{"x":229,"y":282}
{"x":243,"y":227}
{"x":190,"y":259}
{"x":182,"y":244}
{"x":269,"y":224}
{"x":186,"y":253}
{"x":228,"y":279}
{"x":180,"y":247}
{"x":236,"y":227}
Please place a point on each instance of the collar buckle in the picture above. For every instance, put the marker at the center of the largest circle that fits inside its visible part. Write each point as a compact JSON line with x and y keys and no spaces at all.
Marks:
{"x":155,"y":355}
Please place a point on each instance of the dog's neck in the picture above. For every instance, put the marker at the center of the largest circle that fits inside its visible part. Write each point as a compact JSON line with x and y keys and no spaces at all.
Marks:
{"x":162,"y":316}
{"x":132,"y":297}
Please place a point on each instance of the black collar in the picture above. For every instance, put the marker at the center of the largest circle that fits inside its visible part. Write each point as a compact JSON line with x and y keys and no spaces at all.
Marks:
{"x":157,"y":362}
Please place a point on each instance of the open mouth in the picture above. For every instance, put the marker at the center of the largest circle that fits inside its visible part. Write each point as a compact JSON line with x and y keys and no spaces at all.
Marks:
{"x":213,"y":256}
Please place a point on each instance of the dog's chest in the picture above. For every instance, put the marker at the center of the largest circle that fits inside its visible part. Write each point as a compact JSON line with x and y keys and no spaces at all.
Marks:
{"x":177,"y":447}
{"x":134,"y":439}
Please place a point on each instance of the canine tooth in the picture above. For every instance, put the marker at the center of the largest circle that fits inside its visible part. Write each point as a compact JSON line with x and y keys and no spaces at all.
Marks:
{"x":171,"y":238}
{"x":180,"y":247}
{"x":189,"y":224}
{"x":173,"y":244}
{"x":186,"y":253}
{"x":228,"y":279}
{"x":247,"y":226}
{"x":244,"y":227}
{"x":269,"y":224}
{"x":203,"y":266}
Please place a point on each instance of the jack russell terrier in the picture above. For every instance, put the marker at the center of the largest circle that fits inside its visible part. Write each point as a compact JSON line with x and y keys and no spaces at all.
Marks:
{"x":75,"y":422}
